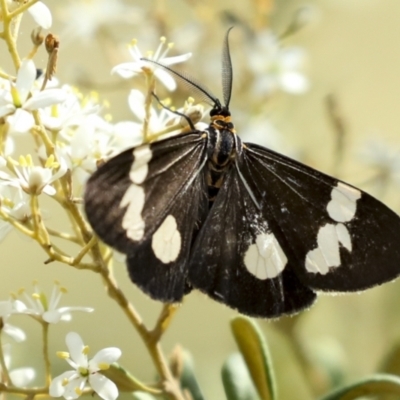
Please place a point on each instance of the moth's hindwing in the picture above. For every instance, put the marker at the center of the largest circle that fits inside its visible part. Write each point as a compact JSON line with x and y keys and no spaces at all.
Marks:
{"x":336,"y":237}
{"x":147,"y":203}
{"x":227,"y":264}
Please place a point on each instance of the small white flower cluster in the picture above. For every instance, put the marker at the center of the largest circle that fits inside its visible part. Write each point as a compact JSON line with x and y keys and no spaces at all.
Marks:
{"x":71,"y":137}
{"x":276,"y":67}
{"x":71,"y":383}
{"x":82,"y":137}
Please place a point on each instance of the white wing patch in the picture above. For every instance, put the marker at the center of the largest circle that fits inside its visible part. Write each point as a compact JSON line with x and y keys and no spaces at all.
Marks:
{"x":140,"y":167}
{"x":166,"y":241}
{"x":342,"y":207}
{"x":327,"y":254}
{"x":265,"y":258}
{"x":132,"y":221}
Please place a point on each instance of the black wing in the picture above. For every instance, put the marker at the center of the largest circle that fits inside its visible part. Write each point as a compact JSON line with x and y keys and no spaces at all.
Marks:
{"x":147,"y":203}
{"x":289,"y":230}
{"x":221,"y":252}
{"x":338,"y":238}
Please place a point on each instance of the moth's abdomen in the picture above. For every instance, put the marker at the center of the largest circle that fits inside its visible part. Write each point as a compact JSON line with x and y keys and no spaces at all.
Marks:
{"x":222,"y":150}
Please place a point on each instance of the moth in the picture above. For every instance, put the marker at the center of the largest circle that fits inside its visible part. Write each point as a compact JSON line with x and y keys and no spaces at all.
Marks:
{"x":247,"y":226}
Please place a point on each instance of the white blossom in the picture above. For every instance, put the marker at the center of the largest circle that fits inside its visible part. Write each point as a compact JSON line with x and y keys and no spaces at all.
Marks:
{"x":92,"y":140}
{"x":19,"y":376}
{"x":8,"y":308}
{"x":15,"y":203}
{"x":35,"y":179}
{"x":39,"y":305}
{"x":15,"y":103}
{"x":160,"y":120}
{"x":276,"y":67}
{"x":129,"y":69}
{"x":83,"y":19}
{"x":71,"y":112}
{"x":85,"y":372}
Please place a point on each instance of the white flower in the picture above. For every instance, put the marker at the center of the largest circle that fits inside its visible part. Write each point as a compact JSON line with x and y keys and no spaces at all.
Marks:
{"x":71,"y":112}
{"x":35,"y":179}
{"x":15,"y":203}
{"x":276,"y":67}
{"x":8,"y":308}
{"x":71,"y":384}
{"x":19,"y":376}
{"x":384,"y":160}
{"x":83,"y":19}
{"x":92,"y":140}
{"x":47,"y":309}
{"x":15,"y":103}
{"x":129,"y":69}
{"x":157,"y":121}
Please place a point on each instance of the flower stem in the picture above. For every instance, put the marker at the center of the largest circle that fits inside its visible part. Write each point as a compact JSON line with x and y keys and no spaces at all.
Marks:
{"x":45,"y":330}
{"x":4,"y":369}
{"x":8,"y":35}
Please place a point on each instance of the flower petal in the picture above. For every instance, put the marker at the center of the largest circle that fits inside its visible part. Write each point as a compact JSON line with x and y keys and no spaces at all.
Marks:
{"x":176,"y":59}
{"x":165,"y":78}
{"x":52,"y":316}
{"x":64,"y":310}
{"x":45,"y":98}
{"x":136,"y":103}
{"x":104,"y":356}
{"x":25,"y":78}
{"x":294,"y":82}
{"x":127,"y":70}
{"x":21,"y":121}
{"x":75,"y":347}
{"x":7,"y":109}
{"x":16,"y":333}
{"x":57,"y":388}
{"x":22,"y":376}
{"x":41,"y":14}
{"x":70,"y":392}
{"x":105,"y":388}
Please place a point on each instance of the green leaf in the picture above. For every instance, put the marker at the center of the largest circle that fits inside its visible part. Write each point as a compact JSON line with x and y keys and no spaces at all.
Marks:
{"x":377,"y":384}
{"x":256,"y":356}
{"x":236,"y":378}
{"x":188,"y":379}
{"x":142,"y":396}
{"x":125,"y":381}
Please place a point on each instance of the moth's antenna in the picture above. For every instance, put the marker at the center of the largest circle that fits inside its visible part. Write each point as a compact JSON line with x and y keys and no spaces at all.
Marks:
{"x":203,"y":93}
{"x":188,"y":120}
{"x":227,"y":74}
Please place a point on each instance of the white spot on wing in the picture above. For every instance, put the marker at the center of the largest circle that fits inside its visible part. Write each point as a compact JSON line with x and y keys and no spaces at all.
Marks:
{"x":342,"y":207}
{"x":327,"y":254}
{"x":166,"y":241}
{"x":132,"y":221}
{"x":328,"y":243}
{"x":265,"y":259}
{"x":139,"y":169}
{"x":315,"y":262}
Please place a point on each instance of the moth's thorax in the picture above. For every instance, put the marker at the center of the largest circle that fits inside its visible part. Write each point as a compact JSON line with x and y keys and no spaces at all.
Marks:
{"x":223,"y":147}
{"x":222,"y":143}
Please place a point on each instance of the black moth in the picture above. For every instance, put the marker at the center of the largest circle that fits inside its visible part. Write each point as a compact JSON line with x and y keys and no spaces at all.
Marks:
{"x":249,"y":227}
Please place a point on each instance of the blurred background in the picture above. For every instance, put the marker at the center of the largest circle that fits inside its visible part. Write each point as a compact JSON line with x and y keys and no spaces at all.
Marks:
{"x":317,"y":80}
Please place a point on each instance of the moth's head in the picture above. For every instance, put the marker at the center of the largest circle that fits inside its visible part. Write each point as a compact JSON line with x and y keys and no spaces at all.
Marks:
{"x":219,"y":110}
